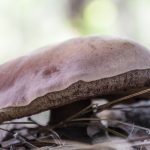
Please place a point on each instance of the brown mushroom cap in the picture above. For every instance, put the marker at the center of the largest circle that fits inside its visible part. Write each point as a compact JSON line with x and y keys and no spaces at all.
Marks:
{"x":76,"y":69}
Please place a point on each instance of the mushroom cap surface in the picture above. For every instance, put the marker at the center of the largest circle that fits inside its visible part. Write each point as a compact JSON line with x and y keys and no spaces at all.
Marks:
{"x":57,"y":68}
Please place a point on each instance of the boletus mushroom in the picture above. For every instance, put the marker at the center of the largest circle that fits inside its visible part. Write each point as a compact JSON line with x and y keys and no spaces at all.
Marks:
{"x":75,"y":70}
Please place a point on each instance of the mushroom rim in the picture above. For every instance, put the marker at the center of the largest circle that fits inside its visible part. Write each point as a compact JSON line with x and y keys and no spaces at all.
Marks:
{"x":81,"y":90}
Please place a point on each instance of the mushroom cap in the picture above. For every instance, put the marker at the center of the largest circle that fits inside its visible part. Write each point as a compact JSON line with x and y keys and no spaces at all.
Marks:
{"x":71,"y":66}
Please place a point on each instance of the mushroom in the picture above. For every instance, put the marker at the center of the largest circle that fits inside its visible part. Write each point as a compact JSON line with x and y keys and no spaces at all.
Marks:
{"x":74,"y":70}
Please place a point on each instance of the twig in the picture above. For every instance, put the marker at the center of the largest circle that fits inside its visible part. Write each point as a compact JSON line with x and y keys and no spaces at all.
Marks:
{"x":17,"y":123}
{"x":121,"y":122}
{"x":19,"y":137}
{"x":120,"y":100}
{"x":101,"y":107}
{"x":71,"y":117}
{"x":130,"y":107}
{"x":55,"y":136}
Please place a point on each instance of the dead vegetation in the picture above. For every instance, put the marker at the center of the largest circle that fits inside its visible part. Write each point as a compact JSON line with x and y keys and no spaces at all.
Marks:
{"x":108,"y":131}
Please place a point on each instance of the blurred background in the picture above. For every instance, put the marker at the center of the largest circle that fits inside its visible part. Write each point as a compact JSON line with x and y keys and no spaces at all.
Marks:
{"x":26,"y":25}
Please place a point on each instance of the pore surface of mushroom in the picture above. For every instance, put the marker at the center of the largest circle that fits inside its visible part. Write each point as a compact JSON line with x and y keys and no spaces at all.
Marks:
{"x":73,"y":70}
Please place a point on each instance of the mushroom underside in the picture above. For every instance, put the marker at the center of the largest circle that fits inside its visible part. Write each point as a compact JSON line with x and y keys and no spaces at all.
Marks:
{"x":110,"y":88}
